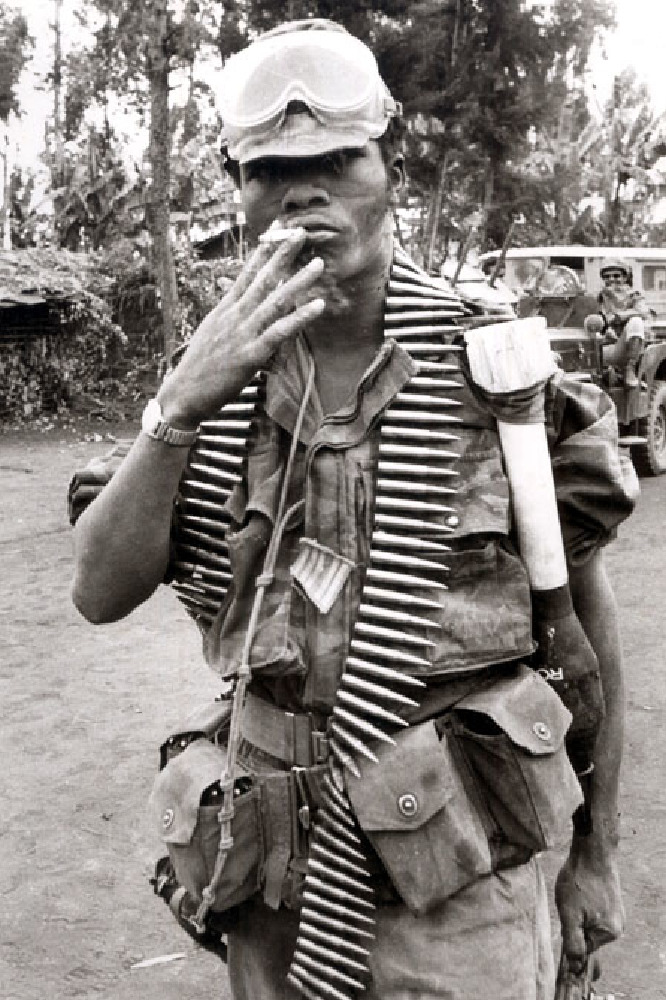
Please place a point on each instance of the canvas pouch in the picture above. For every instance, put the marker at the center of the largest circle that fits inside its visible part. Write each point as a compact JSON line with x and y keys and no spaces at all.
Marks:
{"x":185,"y":803}
{"x":512,"y":736}
{"x":447,"y":804}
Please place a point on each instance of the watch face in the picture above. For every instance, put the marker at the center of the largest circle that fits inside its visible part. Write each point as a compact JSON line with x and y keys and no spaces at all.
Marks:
{"x":152,"y":417}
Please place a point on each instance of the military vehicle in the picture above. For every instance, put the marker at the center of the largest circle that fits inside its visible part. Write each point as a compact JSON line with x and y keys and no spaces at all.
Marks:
{"x":562,"y":283}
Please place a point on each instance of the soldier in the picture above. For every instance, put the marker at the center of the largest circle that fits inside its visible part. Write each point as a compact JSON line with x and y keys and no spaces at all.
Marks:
{"x":622,"y":316}
{"x":342,"y":529}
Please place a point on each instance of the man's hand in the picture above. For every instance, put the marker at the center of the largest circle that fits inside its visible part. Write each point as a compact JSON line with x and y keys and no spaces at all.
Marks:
{"x":87,"y":483}
{"x":565,"y":658}
{"x":267,"y":305}
{"x":589,"y":900}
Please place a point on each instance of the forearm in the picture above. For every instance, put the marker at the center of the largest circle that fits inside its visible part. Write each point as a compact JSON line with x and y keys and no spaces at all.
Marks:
{"x":596,"y":608}
{"x":122,"y":539}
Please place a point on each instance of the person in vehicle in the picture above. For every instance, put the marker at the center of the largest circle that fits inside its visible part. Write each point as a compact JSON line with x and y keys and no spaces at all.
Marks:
{"x":621,"y":319}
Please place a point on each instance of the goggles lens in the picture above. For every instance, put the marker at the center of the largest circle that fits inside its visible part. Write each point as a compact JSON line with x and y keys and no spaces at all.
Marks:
{"x":333,"y":73}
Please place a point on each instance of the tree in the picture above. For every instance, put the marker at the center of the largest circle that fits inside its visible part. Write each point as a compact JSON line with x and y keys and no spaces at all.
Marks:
{"x":14,"y":45}
{"x":629,"y":129}
{"x":135,"y":50}
{"x":478,"y":80}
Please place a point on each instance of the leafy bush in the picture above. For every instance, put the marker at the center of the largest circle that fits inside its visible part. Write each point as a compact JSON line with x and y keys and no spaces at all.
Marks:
{"x":79,"y":356}
{"x":100,"y":351}
{"x":201,"y":284}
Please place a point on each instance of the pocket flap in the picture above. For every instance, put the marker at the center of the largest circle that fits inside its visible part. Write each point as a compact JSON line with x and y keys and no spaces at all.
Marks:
{"x":410,"y":786}
{"x":174,"y":800}
{"x":526,"y":708}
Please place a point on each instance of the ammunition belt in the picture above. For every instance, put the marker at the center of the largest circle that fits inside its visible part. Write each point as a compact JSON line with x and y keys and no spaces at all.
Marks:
{"x":400,"y":607}
{"x":290,"y":736}
{"x":400,"y":610}
{"x":414,"y":486}
{"x":201,"y":564}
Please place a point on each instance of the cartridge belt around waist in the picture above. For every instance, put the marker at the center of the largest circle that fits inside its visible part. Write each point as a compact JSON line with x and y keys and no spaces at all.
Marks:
{"x":292,"y":737}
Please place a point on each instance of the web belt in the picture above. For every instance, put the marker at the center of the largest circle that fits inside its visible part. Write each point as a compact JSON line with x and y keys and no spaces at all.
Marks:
{"x":292,"y":737}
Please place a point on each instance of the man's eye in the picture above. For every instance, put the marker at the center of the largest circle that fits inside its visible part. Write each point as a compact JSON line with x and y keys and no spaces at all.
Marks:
{"x":334,"y":163}
{"x":261,"y":170}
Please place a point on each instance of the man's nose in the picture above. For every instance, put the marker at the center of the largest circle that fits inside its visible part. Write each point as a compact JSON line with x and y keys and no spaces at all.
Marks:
{"x":302,"y":195}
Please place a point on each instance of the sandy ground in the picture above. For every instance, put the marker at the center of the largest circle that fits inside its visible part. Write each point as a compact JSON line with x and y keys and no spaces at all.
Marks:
{"x":85,"y":708}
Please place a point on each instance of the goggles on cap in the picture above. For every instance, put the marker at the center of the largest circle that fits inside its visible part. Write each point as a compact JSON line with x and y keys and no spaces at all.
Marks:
{"x":613,"y":266}
{"x":324,"y":68}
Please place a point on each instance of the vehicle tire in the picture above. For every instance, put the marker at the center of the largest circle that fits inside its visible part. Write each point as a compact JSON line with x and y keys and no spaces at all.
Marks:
{"x":650,"y":458}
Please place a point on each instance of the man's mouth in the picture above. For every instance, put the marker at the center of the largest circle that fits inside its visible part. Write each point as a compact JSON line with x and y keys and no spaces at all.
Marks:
{"x":321,"y":235}
{"x":318,"y":230}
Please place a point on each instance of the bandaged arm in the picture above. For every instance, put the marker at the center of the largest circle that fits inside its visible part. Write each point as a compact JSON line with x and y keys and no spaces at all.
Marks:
{"x":588,"y":891}
{"x":510,"y":361}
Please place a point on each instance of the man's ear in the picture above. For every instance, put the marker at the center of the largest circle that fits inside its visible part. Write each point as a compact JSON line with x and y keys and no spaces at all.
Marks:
{"x":396,"y":174}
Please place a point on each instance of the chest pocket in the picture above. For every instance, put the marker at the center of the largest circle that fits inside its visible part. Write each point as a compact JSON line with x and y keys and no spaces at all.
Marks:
{"x":278,"y":640}
{"x":338,"y":516}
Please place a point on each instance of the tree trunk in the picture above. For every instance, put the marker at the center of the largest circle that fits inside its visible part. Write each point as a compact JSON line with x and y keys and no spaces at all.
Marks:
{"x":6,"y":193}
{"x":58,"y":145}
{"x":160,"y":150}
{"x":437,"y":211}
{"x":488,"y":197}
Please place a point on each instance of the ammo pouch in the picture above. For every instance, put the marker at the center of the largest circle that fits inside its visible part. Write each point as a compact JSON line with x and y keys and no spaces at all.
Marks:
{"x":185,"y":801}
{"x":269,"y":827}
{"x":479,"y":789}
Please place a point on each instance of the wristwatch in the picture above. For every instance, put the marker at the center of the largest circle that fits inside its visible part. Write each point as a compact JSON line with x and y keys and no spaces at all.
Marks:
{"x":155,"y":426}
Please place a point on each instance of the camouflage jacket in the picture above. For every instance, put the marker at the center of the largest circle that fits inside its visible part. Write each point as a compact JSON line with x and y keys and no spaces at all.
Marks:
{"x":484,"y":615}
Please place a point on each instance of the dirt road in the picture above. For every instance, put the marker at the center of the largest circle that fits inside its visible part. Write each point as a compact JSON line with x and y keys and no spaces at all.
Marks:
{"x":84,"y":709}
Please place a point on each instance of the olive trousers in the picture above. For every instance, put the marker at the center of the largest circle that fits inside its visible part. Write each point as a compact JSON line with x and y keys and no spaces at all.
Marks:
{"x":492,"y":939}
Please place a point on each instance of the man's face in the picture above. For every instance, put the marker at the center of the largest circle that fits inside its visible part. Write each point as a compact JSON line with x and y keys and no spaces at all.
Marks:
{"x":341,"y":198}
{"x":614,"y":278}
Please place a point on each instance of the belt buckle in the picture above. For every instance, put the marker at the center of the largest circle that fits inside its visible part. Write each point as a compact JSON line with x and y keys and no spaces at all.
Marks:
{"x":298,"y":727}
{"x":305,"y":744}
{"x":301,"y":816}
{"x":320,"y":746}
{"x":290,"y":737}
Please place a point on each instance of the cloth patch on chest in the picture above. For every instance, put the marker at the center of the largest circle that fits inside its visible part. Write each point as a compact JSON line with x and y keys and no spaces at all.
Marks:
{"x":320,"y":573}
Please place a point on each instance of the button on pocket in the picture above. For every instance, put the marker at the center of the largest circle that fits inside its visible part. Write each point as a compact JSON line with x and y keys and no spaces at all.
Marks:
{"x":542,"y":731}
{"x":408,"y":805}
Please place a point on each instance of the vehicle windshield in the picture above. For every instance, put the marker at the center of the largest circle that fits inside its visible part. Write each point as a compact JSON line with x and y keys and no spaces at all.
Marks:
{"x":522,"y":273}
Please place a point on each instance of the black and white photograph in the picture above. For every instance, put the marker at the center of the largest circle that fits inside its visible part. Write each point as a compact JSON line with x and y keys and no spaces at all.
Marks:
{"x":333,"y":465}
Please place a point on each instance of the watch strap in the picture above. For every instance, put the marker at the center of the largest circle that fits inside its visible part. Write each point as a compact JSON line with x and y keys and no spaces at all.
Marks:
{"x":155,"y":426}
{"x":171,"y":435}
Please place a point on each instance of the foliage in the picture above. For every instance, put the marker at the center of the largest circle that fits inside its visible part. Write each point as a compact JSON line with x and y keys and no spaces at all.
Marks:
{"x":593,"y":173}
{"x":50,"y":373}
{"x":630,"y":146}
{"x":492,"y":92}
{"x":23,"y":215}
{"x":106,"y":346}
{"x":134,"y":49}
{"x":62,"y":344}
{"x":201,"y":285}
{"x":14,"y":44}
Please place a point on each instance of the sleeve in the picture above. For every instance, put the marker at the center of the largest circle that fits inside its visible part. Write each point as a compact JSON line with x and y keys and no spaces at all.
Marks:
{"x":639,"y":303}
{"x":596,"y":486}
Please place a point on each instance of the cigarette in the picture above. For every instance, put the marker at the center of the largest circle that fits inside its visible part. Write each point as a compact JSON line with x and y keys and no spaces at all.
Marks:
{"x":276,"y":234}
